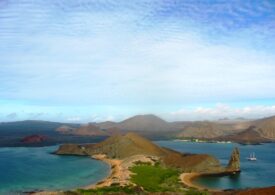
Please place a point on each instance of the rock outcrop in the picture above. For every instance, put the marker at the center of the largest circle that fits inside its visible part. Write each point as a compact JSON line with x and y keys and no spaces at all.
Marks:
{"x":33,"y":139}
{"x":234,"y":162}
{"x":71,"y":149}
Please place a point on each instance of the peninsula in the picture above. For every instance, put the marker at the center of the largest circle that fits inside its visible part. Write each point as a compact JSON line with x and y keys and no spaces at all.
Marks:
{"x":137,"y":162}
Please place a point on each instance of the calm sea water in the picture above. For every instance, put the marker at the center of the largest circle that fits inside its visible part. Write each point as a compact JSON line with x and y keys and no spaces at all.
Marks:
{"x":260,"y":173}
{"x":26,"y":169}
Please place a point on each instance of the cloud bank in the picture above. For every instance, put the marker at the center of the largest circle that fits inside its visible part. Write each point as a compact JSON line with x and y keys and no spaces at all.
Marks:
{"x":99,"y":54}
{"x":222,"y":111}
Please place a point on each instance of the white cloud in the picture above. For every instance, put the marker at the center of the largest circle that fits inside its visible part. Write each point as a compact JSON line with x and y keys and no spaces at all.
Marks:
{"x":222,"y":111}
{"x":134,"y":55}
{"x":74,"y":119}
{"x":12,"y":116}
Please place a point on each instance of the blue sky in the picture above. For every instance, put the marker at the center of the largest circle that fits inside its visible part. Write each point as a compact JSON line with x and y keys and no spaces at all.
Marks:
{"x":94,"y":60}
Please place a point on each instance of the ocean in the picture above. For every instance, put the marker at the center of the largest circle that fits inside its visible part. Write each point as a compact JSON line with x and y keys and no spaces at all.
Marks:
{"x":260,"y":173}
{"x":28,"y":169}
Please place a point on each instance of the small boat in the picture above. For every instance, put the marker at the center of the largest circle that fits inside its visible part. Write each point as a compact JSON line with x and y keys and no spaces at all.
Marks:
{"x":252,"y":157}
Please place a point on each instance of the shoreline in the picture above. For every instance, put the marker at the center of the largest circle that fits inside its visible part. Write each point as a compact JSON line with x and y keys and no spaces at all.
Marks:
{"x":107,"y":181}
{"x":188,"y":180}
{"x":119,"y":173}
{"x":115,"y":171}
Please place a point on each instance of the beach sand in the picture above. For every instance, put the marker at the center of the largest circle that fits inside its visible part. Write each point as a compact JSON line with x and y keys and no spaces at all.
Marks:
{"x":188,"y":180}
{"x":120,"y":173}
{"x":116,"y":173}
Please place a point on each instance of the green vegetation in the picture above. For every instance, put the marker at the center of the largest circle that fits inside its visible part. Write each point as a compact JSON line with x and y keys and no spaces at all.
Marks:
{"x":195,"y":192}
{"x":156,"y":178}
{"x":111,"y":189}
{"x":148,"y":179}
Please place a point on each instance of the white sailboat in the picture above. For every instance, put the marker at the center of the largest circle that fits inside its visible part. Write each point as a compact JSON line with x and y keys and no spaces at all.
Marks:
{"x":252,"y":157}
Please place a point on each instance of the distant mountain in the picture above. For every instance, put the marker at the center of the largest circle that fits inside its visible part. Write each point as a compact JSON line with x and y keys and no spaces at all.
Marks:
{"x":84,"y":130}
{"x":144,"y":123}
{"x":255,"y":131}
{"x":12,"y":134}
{"x":25,"y":128}
{"x":266,"y":127}
{"x":149,"y":126}
{"x":31,"y":127}
{"x":65,"y":129}
{"x":106,"y":124}
{"x":207,"y":129}
{"x":139,"y":123}
{"x":248,"y":136}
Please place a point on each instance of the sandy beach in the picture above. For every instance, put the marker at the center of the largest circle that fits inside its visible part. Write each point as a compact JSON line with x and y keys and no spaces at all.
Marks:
{"x":116,"y":173}
{"x":120,"y":173}
{"x":187,"y":179}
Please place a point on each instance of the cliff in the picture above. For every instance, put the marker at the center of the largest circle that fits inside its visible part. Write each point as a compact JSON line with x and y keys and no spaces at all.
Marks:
{"x":71,"y":149}
{"x":234,"y":162}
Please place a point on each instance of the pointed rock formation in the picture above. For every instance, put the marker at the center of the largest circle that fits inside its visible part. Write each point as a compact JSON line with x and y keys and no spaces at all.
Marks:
{"x":234,"y":162}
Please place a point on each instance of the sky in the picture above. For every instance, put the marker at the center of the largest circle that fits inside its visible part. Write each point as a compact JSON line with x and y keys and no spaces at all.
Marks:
{"x":96,"y":60}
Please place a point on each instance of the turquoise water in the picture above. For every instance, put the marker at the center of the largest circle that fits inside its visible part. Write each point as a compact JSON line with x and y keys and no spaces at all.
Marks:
{"x":260,"y":173}
{"x":27,"y":169}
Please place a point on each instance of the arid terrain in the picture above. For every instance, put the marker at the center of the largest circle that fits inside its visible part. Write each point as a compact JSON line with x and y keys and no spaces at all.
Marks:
{"x":241,"y":131}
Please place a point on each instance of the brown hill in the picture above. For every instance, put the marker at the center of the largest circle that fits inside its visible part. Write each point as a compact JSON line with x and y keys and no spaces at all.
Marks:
{"x":65,"y":129}
{"x":106,"y":125}
{"x":85,"y":130}
{"x":207,"y":129}
{"x":147,"y":123}
{"x":266,"y":127}
{"x":263,"y":129}
{"x":249,"y":136}
{"x":131,"y":144}
{"x":144,"y":123}
{"x":113,"y":131}
{"x":125,"y":146}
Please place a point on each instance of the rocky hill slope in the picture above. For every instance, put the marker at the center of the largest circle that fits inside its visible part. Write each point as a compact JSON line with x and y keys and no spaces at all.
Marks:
{"x":147,"y":125}
{"x":208,"y":129}
{"x":84,"y":130}
{"x":266,"y":127}
{"x":248,"y":136}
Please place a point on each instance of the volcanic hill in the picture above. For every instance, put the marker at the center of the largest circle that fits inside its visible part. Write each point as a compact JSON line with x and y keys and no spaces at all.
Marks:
{"x":125,"y":146}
